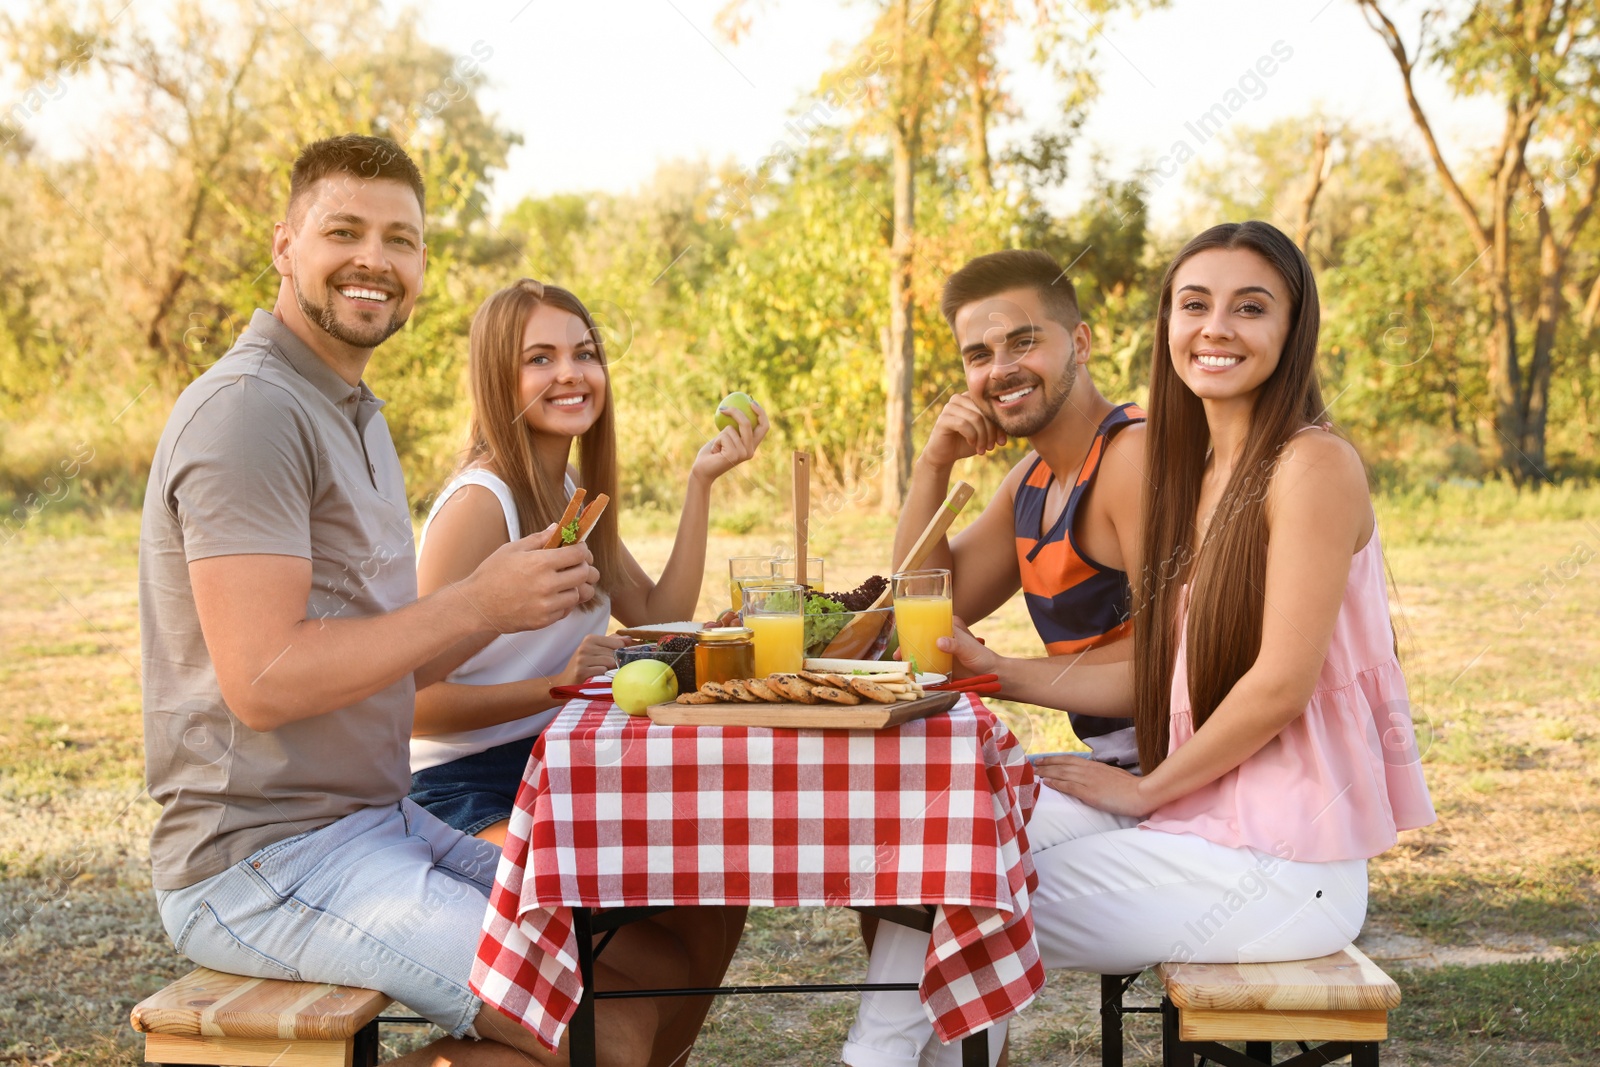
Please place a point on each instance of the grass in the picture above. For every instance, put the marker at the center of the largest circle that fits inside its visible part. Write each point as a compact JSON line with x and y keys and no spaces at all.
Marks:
{"x":1496,"y":599}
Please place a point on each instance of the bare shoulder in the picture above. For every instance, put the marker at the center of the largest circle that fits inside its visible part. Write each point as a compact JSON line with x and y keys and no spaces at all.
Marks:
{"x":467,"y":529}
{"x":471,"y":505}
{"x":1319,"y":453}
{"x":1124,"y":456}
{"x":1018,"y":472}
{"x":997,"y":509}
{"x":1320,"y":470}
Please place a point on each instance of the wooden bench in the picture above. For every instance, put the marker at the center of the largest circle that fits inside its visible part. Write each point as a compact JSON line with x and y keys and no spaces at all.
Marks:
{"x":1342,"y":1000}
{"x":227,"y":1020}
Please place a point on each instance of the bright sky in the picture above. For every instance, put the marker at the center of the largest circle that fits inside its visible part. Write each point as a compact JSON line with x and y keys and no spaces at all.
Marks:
{"x":605,"y":91}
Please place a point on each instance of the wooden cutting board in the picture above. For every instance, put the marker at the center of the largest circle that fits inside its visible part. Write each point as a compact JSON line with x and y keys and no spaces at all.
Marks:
{"x":862,"y":716}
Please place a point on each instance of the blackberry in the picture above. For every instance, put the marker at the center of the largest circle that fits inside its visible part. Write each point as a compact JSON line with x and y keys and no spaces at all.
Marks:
{"x":678,"y":653}
{"x":861,"y":597}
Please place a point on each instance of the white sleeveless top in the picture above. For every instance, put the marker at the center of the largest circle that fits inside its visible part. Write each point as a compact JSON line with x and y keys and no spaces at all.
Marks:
{"x":509,"y":657}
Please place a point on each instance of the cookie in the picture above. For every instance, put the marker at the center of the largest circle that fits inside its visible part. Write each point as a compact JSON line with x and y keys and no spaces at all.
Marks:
{"x":793,"y":687}
{"x":760,"y":688}
{"x":872,"y":691}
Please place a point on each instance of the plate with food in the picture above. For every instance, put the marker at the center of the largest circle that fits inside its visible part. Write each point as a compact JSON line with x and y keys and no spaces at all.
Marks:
{"x":805,"y":699}
{"x":658,"y":631}
{"x":873,"y":667}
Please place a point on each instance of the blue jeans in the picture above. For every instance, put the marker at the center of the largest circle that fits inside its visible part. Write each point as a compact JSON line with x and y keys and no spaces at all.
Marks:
{"x":388,"y":898}
{"x":476,"y":791}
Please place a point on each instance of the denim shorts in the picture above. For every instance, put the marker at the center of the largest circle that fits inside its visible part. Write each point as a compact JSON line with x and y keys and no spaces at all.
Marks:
{"x":476,"y":791}
{"x":388,"y":898}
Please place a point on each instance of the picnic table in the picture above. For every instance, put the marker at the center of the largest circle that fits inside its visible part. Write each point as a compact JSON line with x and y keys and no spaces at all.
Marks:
{"x":615,"y":812}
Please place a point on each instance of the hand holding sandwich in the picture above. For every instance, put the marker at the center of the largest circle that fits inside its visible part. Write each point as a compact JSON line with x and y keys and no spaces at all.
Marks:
{"x":524,"y":585}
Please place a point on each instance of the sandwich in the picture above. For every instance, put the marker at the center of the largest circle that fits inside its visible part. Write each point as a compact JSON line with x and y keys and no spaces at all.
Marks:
{"x":577,"y":520}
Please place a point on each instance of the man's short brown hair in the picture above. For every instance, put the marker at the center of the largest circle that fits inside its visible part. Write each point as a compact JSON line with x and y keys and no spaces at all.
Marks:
{"x":1015,"y":268}
{"x":364,"y":158}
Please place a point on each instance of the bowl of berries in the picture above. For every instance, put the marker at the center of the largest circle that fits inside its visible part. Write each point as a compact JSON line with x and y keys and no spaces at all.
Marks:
{"x":678,"y":653}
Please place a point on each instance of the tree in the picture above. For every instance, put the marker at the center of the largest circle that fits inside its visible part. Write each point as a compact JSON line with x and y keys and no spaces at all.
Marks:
{"x":1400,"y":370}
{"x":926,"y":82}
{"x":167,"y":214}
{"x":1542,"y":61}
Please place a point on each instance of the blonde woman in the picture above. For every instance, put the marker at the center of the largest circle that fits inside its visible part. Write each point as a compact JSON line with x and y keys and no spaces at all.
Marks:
{"x":540,"y":386}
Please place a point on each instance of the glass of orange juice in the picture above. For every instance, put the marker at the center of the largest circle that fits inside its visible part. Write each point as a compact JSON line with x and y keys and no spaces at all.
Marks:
{"x":755,"y":569}
{"x":775,"y":617}
{"x":922,"y":615}
{"x":783,"y":571}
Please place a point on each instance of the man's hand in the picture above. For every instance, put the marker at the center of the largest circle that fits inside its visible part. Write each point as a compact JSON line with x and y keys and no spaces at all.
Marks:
{"x":1099,"y":785}
{"x":524,"y":586}
{"x":969,"y":655}
{"x":962,"y":430}
{"x":596,"y":654}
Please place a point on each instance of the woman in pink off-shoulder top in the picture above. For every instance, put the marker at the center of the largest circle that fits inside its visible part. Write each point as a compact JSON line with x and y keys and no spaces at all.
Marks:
{"x":1273,"y":725}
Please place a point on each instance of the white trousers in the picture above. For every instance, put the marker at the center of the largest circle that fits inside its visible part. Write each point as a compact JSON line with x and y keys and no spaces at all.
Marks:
{"x":1114,"y":899}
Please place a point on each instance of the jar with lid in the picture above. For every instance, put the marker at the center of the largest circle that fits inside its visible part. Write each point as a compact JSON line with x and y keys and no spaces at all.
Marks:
{"x":724,"y":652}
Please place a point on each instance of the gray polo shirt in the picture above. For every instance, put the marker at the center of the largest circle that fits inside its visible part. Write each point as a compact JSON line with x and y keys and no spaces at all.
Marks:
{"x":269,"y":452}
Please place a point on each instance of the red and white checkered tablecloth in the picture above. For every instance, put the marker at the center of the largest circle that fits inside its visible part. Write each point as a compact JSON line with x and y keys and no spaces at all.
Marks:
{"x":615,"y":811}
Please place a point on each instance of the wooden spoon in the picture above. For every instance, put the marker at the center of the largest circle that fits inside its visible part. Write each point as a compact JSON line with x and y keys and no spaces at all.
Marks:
{"x":802,"y":513}
{"x":859,"y":633}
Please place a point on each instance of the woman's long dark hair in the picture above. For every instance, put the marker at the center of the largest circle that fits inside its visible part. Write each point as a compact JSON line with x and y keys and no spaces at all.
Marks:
{"x":1226,"y":574}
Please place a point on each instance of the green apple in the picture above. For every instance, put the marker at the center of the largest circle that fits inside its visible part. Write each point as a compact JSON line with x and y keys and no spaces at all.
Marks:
{"x":641,"y":683}
{"x":740,"y":401}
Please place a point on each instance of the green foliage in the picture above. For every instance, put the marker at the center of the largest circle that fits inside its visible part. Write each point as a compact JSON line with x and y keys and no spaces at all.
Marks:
{"x":708,"y":278}
{"x":171,"y":213}
{"x":792,"y":317}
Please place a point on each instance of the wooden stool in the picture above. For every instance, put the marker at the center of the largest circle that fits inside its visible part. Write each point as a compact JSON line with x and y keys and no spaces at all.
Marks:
{"x":227,"y":1020}
{"x":1343,"y":1000}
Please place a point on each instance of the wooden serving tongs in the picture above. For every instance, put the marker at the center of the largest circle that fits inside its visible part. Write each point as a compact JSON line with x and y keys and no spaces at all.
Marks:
{"x":858,"y":634}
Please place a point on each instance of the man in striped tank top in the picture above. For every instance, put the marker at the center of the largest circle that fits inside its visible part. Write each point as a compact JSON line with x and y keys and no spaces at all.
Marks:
{"x":1067,"y":514}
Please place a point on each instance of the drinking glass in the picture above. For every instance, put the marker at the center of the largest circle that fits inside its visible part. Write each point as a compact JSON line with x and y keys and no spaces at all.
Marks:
{"x":774,"y":615}
{"x":754,"y":569}
{"x":783,"y":571}
{"x":922,"y":615}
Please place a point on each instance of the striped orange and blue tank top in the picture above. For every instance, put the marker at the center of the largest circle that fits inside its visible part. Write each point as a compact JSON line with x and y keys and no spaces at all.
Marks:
{"x":1076,"y":604}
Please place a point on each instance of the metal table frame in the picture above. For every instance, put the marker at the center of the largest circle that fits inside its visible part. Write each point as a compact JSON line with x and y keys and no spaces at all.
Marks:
{"x":587,"y":923}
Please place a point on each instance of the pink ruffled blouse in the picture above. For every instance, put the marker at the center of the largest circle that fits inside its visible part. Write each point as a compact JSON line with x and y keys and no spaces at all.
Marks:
{"x":1340,"y":781}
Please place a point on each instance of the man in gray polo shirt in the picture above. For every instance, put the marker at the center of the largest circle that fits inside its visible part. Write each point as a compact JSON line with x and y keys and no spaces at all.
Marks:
{"x":284,"y":643}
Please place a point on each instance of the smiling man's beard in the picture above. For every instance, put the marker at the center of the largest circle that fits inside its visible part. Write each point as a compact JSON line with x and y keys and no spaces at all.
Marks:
{"x":1020,"y":425}
{"x":362,"y":335}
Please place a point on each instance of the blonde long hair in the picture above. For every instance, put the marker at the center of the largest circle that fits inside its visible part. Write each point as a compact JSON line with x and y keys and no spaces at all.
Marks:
{"x":499,"y":438}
